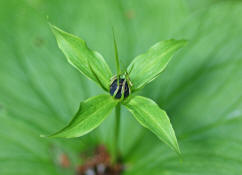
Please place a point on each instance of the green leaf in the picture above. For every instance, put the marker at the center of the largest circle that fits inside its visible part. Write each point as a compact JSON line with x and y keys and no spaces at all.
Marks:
{"x":90,"y":115}
{"x":146,"y":67}
{"x":201,"y":91}
{"x":198,"y":90}
{"x":81,"y":57}
{"x":149,"y":115}
{"x":21,"y":147}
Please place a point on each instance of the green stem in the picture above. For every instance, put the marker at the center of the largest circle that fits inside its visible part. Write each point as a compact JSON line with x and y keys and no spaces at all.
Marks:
{"x":116,"y":133}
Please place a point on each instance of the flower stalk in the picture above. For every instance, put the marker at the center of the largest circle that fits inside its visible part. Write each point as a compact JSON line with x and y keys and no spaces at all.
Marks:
{"x":141,"y":71}
{"x":116,"y":133}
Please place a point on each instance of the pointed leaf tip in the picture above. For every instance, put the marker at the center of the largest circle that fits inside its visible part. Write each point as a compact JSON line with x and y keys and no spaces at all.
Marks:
{"x":116,"y":53}
{"x":149,"y":115}
{"x":90,"y":115}
{"x":146,"y":67}
{"x":80,"y":56}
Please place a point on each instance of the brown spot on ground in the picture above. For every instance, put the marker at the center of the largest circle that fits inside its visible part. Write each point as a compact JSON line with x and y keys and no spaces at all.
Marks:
{"x":64,"y":161}
{"x":99,"y":164}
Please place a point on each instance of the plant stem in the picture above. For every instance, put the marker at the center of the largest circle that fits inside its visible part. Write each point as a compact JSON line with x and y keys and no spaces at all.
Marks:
{"x":116,"y":133}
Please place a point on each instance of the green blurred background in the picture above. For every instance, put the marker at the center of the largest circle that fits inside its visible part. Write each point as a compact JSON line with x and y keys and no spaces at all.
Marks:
{"x":200,"y":89}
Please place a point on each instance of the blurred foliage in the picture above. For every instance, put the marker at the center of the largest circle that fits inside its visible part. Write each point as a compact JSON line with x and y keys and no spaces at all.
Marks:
{"x":200,"y":89}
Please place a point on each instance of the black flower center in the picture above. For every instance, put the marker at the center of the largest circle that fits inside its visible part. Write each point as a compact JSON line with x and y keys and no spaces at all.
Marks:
{"x":114,"y":88}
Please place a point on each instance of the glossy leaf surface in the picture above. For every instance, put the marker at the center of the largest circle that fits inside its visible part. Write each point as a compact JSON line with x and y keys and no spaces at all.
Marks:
{"x":81,"y":57}
{"x":200,"y":89}
{"x":90,"y":115}
{"x":146,"y":67}
{"x":149,"y":115}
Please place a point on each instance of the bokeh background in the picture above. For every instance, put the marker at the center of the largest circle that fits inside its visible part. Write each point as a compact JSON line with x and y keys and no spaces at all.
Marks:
{"x":201,"y":89}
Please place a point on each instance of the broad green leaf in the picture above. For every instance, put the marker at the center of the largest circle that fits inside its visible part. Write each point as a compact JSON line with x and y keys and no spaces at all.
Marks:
{"x":90,"y":115}
{"x":146,"y":67}
{"x":149,"y":115}
{"x":88,"y":62}
{"x":201,"y":93}
{"x":200,"y":89}
{"x":20,"y":146}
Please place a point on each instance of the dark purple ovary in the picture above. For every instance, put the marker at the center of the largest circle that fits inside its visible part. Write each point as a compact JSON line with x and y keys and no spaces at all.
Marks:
{"x":114,"y":86}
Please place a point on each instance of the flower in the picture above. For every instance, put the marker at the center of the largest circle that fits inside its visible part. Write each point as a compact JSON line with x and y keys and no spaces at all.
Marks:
{"x":121,"y":89}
